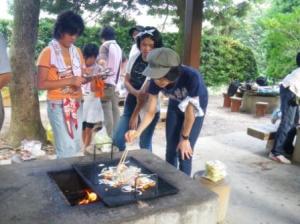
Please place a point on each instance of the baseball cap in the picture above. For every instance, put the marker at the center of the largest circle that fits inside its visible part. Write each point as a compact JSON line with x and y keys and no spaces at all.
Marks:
{"x":160,"y":61}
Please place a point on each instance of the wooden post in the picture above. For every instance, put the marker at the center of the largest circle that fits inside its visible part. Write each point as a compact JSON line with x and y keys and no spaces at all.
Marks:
{"x":192,"y":32}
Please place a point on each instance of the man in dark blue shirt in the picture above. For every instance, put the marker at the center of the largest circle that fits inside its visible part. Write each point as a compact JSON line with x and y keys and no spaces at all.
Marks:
{"x":187,"y":105}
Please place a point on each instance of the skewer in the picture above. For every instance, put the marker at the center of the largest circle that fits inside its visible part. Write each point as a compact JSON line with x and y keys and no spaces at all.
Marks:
{"x":122,"y":160}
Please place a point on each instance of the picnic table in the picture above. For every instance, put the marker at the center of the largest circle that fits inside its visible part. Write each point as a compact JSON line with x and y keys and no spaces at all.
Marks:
{"x":250,"y":98}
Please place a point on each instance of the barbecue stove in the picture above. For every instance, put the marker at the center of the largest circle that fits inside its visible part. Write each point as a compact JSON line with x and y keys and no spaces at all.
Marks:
{"x":43,"y":192}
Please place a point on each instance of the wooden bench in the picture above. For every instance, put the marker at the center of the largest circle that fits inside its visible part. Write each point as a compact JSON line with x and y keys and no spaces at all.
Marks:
{"x":268,"y":132}
{"x":264,"y":132}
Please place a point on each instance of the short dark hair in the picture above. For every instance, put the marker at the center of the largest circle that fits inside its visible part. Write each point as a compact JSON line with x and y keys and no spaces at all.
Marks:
{"x":136,"y":28}
{"x":68,"y":22}
{"x":174,"y":73}
{"x":298,"y":59}
{"x":90,"y":50}
{"x":108,"y":33}
{"x":152,"y":33}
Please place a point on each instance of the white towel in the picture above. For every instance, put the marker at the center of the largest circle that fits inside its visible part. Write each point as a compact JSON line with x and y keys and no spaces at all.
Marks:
{"x":58,"y":61}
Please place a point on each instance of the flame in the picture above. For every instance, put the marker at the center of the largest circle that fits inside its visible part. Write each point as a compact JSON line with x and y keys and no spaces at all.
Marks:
{"x":89,"y":198}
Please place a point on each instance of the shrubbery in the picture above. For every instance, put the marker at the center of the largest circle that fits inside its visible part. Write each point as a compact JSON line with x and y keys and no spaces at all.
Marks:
{"x":224,"y":59}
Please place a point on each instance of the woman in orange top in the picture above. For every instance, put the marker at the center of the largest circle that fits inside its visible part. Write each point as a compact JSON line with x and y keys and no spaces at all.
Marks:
{"x":60,"y":69}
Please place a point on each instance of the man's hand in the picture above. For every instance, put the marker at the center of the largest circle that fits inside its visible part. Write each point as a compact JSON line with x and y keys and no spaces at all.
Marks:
{"x":133,"y":123}
{"x":185,"y":149}
{"x":131,"y":135}
{"x":76,"y":81}
{"x":142,"y":97}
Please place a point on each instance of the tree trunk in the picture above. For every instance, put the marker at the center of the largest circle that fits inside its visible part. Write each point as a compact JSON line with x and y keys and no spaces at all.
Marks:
{"x":25,"y":115}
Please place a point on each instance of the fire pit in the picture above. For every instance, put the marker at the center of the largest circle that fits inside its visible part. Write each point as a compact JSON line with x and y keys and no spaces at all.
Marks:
{"x":73,"y":188}
{"x":28,"y":195}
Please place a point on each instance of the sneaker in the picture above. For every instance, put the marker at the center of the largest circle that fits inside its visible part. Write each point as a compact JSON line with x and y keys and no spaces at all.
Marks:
{"x":89,"y":150}
{"x":279,"y":158}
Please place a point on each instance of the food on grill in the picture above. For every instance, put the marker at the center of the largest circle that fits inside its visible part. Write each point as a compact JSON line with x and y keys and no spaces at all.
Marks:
{"x":126,"y":177}
{"x":144,"y":183}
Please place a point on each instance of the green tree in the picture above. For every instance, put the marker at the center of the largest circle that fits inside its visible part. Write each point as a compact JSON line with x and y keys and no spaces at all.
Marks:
{"x":225,"y":59}
{"x":225,"y":16}
{"x":44,"y":34}
{"x":281,"y":42}
{"x":251,"y":33}
{"x":285,"y":6}
{"x":5,"y":29}
{"x":95,"y":7}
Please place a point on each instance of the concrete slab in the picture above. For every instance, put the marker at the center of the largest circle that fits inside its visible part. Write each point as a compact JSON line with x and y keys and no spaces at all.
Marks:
{"x":262,"y":191}
{"x":28,"y":195}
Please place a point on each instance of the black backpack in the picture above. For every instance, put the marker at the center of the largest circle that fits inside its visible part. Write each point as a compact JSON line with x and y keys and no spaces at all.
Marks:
{"x":262,"y":81}
{"x":233,"y":88}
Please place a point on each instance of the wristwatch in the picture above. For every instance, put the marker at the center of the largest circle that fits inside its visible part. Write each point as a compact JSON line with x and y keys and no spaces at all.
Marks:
{"x":185,"y":137}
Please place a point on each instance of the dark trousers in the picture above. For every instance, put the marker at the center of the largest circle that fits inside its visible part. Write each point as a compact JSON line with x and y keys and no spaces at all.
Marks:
{"x":287,"y":128}
{"x":174,"y":124}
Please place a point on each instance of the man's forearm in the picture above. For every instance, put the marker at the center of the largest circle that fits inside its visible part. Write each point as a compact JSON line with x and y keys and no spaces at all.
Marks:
{"x":189,"y":119}
{"x":130,"y":88}
{"x":141,"y":103}
{"x":151,"y":110}
{"x":146,"y":121}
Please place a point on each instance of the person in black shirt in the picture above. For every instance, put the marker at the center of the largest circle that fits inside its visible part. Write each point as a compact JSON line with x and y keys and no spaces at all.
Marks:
{"x":136,"y":84}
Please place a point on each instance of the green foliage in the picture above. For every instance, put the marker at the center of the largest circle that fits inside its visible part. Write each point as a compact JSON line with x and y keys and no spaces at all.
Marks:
{"x":285,"y":6}
{"x":251,"y":34}
{"x":89,"y":36}
{"x":281,"y":42}
{"x":92,"y":6}
{"x":224,"y":59}
{"x":225,"y":15}
{"x":123,"y":39}
{"x":44,"y":34}
{"x":169,"y":40}
{"x":6,"y":29}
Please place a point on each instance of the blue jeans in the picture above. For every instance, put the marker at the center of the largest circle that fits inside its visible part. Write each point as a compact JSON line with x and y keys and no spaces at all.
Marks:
{"x":123,"y":127}
{"x":174,"y":124}
{"x":287,"y":128}
{"x":65,"y":146}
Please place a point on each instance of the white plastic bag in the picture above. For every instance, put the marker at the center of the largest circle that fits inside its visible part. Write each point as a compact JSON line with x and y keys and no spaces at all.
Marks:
{"x":31,"y":149}
{"x":102,"y":140}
